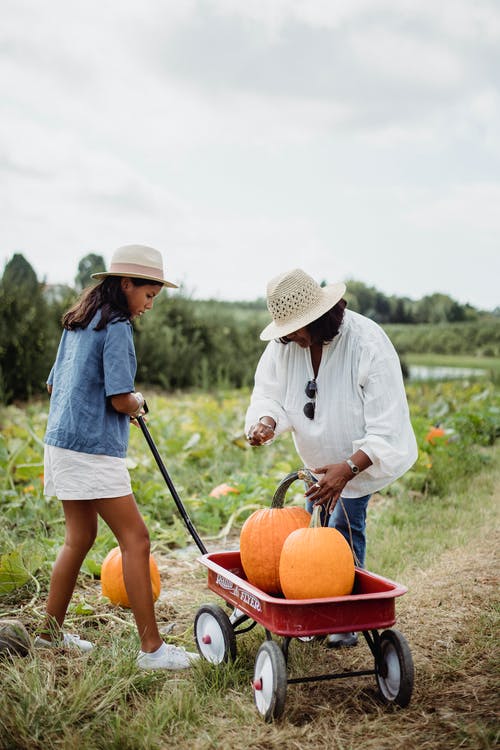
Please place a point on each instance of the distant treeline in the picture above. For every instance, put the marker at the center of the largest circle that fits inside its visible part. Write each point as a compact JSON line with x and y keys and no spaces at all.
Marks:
{"x":185,"y":343}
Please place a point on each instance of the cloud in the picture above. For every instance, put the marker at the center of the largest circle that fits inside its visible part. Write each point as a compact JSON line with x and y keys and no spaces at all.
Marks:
{"x":472,"y":207}
{"x":272,"y":132}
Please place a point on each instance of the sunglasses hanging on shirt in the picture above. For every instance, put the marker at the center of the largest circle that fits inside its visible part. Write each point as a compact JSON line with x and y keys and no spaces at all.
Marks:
{"x":309,"y":408}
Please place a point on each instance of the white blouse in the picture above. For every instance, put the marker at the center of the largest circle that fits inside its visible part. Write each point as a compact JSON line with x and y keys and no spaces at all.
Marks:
{"x":360,"y":403}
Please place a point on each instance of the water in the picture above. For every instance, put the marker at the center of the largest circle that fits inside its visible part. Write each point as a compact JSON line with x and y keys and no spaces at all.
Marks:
{"x":424,"y":372}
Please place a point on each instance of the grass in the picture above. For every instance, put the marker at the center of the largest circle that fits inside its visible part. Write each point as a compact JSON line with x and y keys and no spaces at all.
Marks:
{"x":436,"y":524}
{"x":442,"y":549}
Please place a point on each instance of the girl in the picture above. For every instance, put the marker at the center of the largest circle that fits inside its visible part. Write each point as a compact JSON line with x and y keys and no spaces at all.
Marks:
{"x":92,"y":403}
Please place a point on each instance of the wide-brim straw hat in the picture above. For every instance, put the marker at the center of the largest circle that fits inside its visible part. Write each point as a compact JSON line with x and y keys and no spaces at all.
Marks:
{"x":295,"y":299}
{"x":137,"y":262}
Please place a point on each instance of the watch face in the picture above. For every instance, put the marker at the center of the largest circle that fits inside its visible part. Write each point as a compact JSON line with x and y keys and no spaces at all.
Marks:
{"x":354,"y":468}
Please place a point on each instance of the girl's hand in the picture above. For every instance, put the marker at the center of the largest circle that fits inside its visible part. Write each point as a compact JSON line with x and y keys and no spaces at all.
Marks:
{"x":140,"y":405}
{"x":140,"y":412}
{"x":129,"y":403}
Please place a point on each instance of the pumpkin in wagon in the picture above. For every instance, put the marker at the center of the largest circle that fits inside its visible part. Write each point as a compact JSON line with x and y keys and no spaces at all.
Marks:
{"x":262,"y":537}
{"x":316,"y":562}
{"x":112,"y":583}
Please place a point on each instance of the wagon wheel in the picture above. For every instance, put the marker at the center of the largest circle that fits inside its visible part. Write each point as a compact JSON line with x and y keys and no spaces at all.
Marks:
{"x":270,"y":681}
{"x":394,"y":669}
{"x":214,"y":634}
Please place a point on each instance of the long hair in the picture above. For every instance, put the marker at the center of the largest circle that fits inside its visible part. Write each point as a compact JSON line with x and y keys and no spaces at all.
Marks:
{"x":325,"y":328}
{"x":107,"y":296}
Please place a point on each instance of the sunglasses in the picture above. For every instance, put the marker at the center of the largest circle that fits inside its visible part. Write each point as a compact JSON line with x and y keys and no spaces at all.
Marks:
{"x":309,"y":408}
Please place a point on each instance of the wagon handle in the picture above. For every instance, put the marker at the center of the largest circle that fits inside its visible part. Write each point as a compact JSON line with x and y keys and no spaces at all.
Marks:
{"x":170,"y":485}
{"x":281,"y":490}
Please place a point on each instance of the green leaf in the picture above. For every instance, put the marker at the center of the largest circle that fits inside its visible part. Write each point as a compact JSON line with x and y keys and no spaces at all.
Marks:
{"x":13,"y":573}
{"x":92,"y":567}
{"x":82,"y":608}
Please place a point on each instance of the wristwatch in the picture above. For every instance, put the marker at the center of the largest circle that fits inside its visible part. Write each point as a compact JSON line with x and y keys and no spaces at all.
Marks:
{"x":352,"y":465}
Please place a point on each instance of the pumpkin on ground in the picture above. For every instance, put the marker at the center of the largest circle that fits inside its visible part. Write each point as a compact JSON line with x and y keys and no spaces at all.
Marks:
{"x":262,"y":537}
{"x":435,"y":435}
{"x":223,"y":489}
{"x":316,"y":562}
{"x":112,"y":583}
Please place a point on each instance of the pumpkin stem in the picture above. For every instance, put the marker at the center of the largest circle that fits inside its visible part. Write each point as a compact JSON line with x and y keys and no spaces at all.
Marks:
{"x":316,"y":518}
{"x":279,"y":495}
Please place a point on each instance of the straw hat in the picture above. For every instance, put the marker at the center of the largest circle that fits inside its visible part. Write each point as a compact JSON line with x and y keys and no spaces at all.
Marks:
{"x":294,"y":300}
{"x":136,"y":262}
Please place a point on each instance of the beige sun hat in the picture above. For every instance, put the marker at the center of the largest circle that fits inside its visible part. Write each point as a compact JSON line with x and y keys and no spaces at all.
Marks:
{"x":136,"y":262}
{"x":295,"y":299}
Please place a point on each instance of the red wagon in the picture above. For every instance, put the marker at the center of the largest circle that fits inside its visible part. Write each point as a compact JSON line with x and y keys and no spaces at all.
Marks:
{"x":369,"y":608}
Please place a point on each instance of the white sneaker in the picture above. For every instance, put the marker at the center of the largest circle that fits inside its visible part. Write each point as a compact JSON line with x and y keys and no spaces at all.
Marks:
{"x":69,"y":640}
{"x":167,"y":657}
{"x":337,"y":640}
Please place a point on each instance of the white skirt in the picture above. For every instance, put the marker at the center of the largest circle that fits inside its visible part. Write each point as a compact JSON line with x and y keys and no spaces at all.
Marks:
{"x":70,"y":475}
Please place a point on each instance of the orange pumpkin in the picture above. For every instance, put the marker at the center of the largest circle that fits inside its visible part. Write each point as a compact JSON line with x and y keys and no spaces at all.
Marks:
{"x":262,"y":537}
{"x":316,"y":562}
{"x":112,"y":583}
{"x":223,"y":489}
{"x":434,"y":435}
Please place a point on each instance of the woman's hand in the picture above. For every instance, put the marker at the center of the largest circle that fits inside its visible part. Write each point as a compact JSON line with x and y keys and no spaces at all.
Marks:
{"x":261,"y":432}
{"x":327,"y":490}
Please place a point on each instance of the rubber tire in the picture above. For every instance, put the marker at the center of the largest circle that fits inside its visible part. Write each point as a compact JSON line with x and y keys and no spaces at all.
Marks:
{"x":270,"y":668}
{"x":396,"y":686}
{"x":212,"y":621}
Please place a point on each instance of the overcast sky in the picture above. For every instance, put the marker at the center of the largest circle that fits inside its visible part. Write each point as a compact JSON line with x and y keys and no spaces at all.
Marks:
{"x":352,"y":138}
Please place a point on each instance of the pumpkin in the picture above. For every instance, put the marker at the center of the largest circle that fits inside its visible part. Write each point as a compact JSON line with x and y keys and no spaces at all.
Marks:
{"x":223,"y":489}
{"x":434,"y":435}
{"x":316,"y":562}
{"x":262,"y":537}
{"x":112,"y":583}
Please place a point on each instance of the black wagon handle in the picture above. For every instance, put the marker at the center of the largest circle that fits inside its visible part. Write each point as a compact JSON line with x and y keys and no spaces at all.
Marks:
{"x":170,"y":484}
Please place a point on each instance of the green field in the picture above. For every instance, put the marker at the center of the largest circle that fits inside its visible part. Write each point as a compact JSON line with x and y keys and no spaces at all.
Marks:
{"x":433,"y":530}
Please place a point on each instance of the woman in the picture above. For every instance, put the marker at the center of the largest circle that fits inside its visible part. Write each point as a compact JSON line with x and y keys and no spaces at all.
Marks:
{"x":333,"y":378}
{"x":93,"y":400}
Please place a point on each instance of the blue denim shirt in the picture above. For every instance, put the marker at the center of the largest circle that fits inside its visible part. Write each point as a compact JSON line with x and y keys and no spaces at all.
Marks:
{"x":90,"y":367}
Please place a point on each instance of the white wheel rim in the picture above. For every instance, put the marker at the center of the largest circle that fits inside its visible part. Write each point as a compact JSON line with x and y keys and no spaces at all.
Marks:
{"x":210,"y":638}
{"x":391,"y":683}
{"x":264,"y":674}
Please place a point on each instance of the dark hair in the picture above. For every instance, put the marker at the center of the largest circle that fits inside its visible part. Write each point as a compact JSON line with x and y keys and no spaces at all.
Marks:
{"x":325,"y":328}
{"x":107,"y":296}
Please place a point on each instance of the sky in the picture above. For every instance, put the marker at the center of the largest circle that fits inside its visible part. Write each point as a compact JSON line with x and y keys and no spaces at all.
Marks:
{"x":356,"y":139}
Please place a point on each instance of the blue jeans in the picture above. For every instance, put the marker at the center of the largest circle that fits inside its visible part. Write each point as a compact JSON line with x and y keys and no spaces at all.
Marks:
{"x":356,"y":513}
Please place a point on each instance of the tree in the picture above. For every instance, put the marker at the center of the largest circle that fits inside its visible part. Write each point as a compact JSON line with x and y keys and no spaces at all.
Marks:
{"x":18,"y":273}
{"x":25,"y":341}
{"x":91,"y":263}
